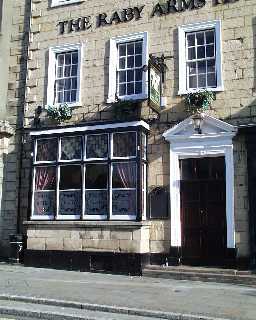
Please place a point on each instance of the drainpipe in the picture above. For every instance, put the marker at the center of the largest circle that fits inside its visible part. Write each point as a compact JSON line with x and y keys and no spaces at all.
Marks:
{"x":17,"y":240}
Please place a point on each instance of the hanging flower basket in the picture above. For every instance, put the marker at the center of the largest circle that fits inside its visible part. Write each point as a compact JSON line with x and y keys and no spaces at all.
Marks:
{"x":59,"y":113}
{"x":197,"y":102}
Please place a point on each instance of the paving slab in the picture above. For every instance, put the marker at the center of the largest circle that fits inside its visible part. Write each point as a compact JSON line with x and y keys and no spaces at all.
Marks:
{"x":218,"y":300}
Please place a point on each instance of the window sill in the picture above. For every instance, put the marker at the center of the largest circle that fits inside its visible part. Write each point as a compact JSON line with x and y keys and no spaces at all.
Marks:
{"x":71,"y":105}
{"x":66,"y":3}
{"x":87,"y":224}
{"x":129,"y":98}
{"x":183,"y":92}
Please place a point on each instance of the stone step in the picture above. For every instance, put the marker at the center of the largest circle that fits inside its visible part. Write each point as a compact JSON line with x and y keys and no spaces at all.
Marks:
{"x":201,"y":274}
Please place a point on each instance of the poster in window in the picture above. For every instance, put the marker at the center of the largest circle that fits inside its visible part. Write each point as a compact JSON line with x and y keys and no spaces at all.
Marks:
{"x":124,"y":202}
{"x":44,"y":203}
{"x":70,"y":202}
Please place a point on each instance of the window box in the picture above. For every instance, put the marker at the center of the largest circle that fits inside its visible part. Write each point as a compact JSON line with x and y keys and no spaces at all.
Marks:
{"x":127,"y":78}
{"x":200,"y":59}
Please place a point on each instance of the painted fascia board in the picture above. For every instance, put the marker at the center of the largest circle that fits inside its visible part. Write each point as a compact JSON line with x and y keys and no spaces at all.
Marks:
{"x":91,"y":128}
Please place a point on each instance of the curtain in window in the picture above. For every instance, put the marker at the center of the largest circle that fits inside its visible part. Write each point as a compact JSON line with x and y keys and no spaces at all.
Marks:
{"x":45,"y":178}
{"x":125,"y":175}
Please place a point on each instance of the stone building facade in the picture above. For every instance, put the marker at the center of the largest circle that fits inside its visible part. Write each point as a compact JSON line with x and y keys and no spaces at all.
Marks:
{"x":13,"y":51}
{"x":120,"y":184}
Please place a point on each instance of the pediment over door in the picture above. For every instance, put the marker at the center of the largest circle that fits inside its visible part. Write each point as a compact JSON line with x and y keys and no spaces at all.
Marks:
{"x":211,"y":128}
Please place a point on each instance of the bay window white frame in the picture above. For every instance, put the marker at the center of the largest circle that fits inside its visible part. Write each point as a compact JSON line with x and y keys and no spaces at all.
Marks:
{"x":199,"y":26}
{"x":113,"y":63}
{"x":53,"y":51}
{"x":81,"y":132}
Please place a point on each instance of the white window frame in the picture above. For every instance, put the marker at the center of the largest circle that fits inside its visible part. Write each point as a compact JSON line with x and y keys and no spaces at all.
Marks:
{"x":113,"y":60}
{"x":182,"y":30}
{"x":56,"y":3}
{"x":53,"y":51}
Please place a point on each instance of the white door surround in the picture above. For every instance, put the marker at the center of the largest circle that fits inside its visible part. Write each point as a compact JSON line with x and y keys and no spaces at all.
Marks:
{"x":215,"y":140}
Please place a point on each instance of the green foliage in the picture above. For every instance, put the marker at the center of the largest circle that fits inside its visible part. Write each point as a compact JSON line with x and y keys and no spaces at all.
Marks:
{"x":125,"y":109}
{"x":59,"y":113}
{"x":199,"y":101}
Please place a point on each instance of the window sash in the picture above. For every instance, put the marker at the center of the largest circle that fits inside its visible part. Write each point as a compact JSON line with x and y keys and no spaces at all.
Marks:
{"x":52,"y":69}
{"x":114,"y":66}
{"x":183,"y":61}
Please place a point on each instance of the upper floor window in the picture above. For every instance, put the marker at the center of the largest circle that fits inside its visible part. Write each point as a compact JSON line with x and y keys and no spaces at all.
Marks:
{"x":128,"y":55}
{"x":56,"y":3}
{"x":200,"y":57}
{"x":64,"y":74}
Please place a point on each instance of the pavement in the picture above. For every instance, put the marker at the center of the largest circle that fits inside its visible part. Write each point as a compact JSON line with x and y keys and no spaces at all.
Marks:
{"x":57,"y":294}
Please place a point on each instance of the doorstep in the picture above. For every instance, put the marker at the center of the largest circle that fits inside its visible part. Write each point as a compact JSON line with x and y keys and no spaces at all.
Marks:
{"x":201,"y":274}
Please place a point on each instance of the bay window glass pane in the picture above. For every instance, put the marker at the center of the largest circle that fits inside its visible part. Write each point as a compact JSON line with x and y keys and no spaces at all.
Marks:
{"x":97,"y":146}
{"x":96,"y":202}
{"x":124,"y":202}
{"x":124,"y":144}
{"x":71,"y":148}
{"x":70,"y":202}
{"x":124,"y":175}
{"x":70,"y":177}
{"x":44,"y":203}
{"x":45,"y":178}
{"x":96,"y":176}
{"x":47,"y":149}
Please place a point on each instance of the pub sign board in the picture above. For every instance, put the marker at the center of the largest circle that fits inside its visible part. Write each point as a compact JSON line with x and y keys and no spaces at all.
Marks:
{"x":155,"y":86}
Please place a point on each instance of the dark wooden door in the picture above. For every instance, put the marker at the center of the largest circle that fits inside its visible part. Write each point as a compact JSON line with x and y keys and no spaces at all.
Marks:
{"x":203,"y":210}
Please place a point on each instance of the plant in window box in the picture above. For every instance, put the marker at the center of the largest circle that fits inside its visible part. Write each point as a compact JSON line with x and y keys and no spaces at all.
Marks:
{"x":126,"y":109}
{"x":199,"y":101}
{"x":59,"y":113}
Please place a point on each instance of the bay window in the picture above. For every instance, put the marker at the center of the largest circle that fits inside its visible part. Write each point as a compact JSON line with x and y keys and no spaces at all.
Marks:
{"x":90,"y":176}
